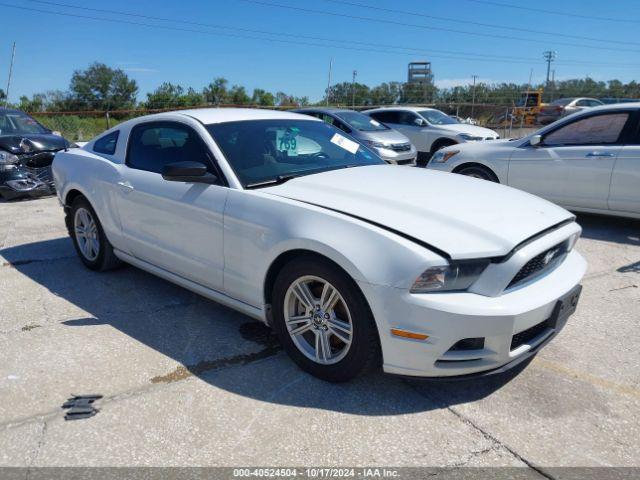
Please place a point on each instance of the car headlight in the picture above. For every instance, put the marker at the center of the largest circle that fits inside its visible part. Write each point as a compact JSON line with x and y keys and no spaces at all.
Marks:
{"x":375,"y":144}
{"x":470,"y":138}
{"x":24,"y":184}
{"x":571,"y":242}
{"x":458,"y":275}
{"x":442,"y":157}
{"x":7,"y":161}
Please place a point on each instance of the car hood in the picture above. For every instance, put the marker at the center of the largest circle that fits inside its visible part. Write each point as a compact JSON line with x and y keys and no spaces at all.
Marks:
{"x":30,"y":143}
{"x":384,"y":136}
{"x":461,"y":216}
{"x":469,"y":129}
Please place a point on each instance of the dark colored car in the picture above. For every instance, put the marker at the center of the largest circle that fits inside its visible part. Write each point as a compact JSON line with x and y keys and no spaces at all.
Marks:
{"x":26,"y":153}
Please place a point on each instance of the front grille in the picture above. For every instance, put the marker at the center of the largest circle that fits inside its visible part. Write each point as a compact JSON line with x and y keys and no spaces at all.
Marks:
{"x":529,"y":334}
{"x":43,"y":174}
{"x":400,"y":147}
{"x":540,"y":263}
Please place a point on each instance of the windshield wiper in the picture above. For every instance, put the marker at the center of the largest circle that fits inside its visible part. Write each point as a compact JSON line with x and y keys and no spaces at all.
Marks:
{"x":280,"y":179}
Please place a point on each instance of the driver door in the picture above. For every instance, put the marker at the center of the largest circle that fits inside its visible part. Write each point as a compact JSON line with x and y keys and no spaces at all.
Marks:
{"x":405,"y":122}
{"x":573,"y":164}
{"x":176,"y":226}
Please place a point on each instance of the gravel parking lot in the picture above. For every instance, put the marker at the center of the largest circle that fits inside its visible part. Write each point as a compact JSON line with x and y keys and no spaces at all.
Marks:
{"x":188,"y":382}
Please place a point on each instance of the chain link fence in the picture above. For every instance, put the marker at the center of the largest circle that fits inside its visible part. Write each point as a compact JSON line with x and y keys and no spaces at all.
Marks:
{"x":84,"y":125}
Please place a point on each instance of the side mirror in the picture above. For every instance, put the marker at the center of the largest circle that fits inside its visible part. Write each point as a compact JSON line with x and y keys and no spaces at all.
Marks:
{"x":536,"y":140}
{"x":191,"y":172}
{"x":419,"y":122}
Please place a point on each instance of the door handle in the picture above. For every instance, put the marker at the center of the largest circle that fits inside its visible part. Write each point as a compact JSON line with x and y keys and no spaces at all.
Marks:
{"x":600,"y":154}
{"x":125,"y":186}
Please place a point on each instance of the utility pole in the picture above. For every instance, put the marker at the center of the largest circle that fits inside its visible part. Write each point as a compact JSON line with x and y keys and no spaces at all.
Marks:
{"x":353,"y":89}
{"x":329,"y":83}
{"x":549,"y":56}
{"x":473,"y":94}
{"x":13,"y":56}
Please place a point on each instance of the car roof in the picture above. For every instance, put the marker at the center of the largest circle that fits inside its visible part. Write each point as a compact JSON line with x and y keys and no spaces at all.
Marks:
{"x":408,"y":108}
{"x":224,"y":115}
{"x":328,"y":110}
{"x":614,"y":106}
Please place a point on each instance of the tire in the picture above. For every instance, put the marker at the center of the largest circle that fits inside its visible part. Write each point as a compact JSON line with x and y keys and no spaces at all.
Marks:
{"x":478,"y":171}
{"x":349,"y":354}
{"x":440,"y":145}
{"x":89,"y":240}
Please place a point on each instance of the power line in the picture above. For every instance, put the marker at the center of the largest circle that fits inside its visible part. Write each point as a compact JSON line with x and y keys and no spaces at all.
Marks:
{"x":449,"y":54}
{"x":554,"y":12}
{"x":265,"y":32}
{"x":479,"y":24}
{"x":428,"y":27}
{"x":288,"y":42}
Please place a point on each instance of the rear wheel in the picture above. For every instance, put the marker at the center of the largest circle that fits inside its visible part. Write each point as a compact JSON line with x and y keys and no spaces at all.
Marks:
{"x":89,"y":239}
{"x":323,"y":320}
{"x":478,"y":171}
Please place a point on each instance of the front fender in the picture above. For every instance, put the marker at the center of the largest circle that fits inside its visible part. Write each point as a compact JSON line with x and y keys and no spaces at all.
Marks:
{"x":260,"y":227}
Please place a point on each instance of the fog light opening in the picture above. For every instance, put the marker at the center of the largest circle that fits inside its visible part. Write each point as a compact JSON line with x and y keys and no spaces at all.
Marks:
{"x":467,"y":344}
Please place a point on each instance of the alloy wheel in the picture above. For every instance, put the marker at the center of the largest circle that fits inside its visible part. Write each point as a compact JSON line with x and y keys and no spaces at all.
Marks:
{"x":318,"y":320}
{"x":86,"y":232}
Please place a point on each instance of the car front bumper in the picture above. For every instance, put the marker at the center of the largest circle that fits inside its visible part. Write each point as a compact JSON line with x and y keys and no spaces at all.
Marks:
{"x":398,"y":158}
{"x":525,"y":313}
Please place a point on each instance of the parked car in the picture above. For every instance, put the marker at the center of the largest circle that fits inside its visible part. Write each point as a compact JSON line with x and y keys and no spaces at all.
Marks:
{"x":589,"y":162}
{"x":390,"y":145}
{"x":352,"y":261}
{"x":563,"y":107}
{"x":26,"y":153}
{"x":429,"y":129}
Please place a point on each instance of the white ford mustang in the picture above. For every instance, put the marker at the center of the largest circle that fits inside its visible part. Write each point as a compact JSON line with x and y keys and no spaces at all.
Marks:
{"x":352,"y":262}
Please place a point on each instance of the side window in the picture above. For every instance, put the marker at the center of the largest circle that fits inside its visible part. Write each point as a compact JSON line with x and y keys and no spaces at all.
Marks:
{"x":154,"y":145}
{"x":595,"y":130}
{"x":583,"y":103}
{"x":408,"y":118}
{"x":327,"y":119}
{"x":386,"y":116}
{"x":107,"y":144}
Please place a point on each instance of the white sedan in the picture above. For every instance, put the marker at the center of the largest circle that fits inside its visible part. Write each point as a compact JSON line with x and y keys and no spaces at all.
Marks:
{"x":429,"y":129}
{"x":353,"y":263}
{"x":586,"y":162}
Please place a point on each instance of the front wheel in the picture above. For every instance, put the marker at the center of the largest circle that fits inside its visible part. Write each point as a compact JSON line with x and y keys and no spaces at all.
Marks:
{"x":323,"y":320}
{"x":89,"y":239}
{"x":478,"y":172}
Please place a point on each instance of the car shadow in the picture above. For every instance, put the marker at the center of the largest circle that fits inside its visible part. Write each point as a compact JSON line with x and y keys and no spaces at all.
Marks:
{"x":610,"y":229}
{"x":218,"y":345}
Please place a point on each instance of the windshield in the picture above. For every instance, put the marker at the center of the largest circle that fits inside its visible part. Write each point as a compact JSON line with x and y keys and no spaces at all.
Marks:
{"x":436,"y":117}
{"x":18,"y":123}
{"x":361,"y":122}
{"x":263,"y":152}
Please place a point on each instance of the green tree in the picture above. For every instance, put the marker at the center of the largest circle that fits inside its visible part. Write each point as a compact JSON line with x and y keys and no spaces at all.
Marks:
{"x":386,"y":93}
{"x":100,"y":87}
{"x":238,"y":96}
{"x":216,"y":92}
{"x":263,"y":98}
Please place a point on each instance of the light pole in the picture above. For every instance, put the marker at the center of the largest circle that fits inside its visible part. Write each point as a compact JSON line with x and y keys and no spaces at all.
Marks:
{"x":549,"y":56}
{"x":13,"y":56}
{"x":353,"y":89}
{"x":473,"y":94}
{"x":329,"y":83}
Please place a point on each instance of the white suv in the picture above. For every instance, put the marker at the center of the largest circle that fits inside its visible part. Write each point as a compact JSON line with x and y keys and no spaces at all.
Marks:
{"x":430,"y":129}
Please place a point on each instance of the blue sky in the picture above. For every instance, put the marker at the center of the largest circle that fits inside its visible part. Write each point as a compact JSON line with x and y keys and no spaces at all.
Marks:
{"x":50,"y":47}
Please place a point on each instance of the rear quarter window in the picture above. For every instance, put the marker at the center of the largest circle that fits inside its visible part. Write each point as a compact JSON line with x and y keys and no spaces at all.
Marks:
{"x":107,"y":144}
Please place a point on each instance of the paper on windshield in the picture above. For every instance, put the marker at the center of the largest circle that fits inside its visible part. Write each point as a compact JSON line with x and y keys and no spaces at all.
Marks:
{"x":343,"y":142}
